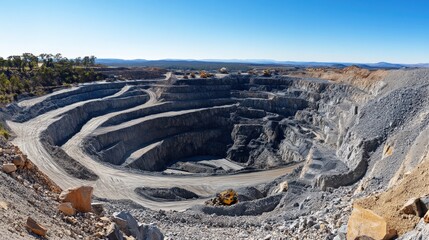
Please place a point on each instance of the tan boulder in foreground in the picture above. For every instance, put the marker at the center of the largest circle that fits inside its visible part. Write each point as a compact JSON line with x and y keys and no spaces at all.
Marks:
{"x":67,"y":208}
{"x":79,"y":197}
{"x":364,"y":222}
{"x":35,"y":227}
{"x":9,"y":167}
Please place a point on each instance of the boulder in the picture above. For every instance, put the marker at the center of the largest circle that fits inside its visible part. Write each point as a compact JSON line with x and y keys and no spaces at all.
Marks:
{"x":97,"y":208}
{"x":9,"y":168}
{"x":364,"y":222}
{"x":67,"y":208}
{"x":127,"y":223}
{"x":425,"y":202}
{"x":150,"y":232}
{"x":113,"y":232}
{"x":35,"y":227}
{"x":19,"y":161}
{"x":4,"y":205}
{"x":413,"y":206}
{"x":79,"y":197}
{"x":283,"y":187}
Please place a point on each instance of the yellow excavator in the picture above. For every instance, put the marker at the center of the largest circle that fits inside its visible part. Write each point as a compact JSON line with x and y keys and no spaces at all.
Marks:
{"x":225,"y":198}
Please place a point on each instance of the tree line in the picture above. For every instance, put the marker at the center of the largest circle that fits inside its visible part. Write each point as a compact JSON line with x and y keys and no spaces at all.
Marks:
{"x":34,"y":75}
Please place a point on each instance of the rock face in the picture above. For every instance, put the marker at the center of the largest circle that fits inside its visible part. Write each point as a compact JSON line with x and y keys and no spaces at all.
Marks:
{"x":67,"y":208}
{"x":79,"y":197}
{"x":363,"y":222}
{"x":35,"y":227}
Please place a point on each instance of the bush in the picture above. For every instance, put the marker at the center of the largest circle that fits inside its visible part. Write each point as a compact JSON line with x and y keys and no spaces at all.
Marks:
{"x":4,"y":132}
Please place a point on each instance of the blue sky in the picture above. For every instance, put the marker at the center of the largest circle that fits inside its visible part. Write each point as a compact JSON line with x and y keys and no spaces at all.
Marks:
{"x":297,"y":30}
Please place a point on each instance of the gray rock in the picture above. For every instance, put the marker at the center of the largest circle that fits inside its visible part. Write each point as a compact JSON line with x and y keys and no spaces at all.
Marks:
{"x":149,"y":232}
{"x":97,"y":208}
{"x":113,"y":232}
{"x":343,"y":229}
{"x":421,"y":232}
{"x":340,"y":237}
{"x":127,"y":223}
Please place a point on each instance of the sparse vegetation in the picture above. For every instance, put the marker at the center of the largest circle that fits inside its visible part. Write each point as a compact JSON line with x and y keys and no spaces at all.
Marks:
{"x":4,"y":132}
{"x":35,"y":74}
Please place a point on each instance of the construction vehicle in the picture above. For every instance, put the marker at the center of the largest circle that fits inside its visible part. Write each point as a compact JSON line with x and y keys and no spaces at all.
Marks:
{"x":225,"y":198}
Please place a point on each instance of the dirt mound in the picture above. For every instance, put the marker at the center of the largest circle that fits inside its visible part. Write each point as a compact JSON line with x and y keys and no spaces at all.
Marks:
{"x":362,"y":78}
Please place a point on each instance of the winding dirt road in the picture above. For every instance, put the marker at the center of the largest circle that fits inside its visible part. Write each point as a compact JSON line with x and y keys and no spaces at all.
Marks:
{"x":114,"y":183}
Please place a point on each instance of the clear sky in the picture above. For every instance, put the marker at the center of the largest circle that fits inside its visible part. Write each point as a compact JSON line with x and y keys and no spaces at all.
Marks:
{"x":297,"y":30}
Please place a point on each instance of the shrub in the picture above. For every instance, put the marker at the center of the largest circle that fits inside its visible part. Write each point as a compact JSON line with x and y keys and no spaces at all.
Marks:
{"x":4,"y":132}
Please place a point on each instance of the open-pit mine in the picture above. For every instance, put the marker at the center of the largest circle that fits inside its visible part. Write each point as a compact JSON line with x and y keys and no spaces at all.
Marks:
{"x":298,"y":149}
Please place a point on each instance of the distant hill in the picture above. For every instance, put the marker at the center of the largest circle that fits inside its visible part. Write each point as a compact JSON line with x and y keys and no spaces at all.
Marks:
{"x":240,"y":64}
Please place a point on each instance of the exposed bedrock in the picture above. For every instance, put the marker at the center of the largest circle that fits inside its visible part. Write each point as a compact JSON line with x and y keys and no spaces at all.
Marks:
{"x":71,"y":121}
{"x":165,"y":107}
{"x":65,"y":98}
{"x":197,"y":143}
{"x":274,"y":121}
{"x":243,"y":121}
{"x":166,"y":194}
{"x":23,"y":112}
{"x":377,"y":145}
{"x":114,"y":144}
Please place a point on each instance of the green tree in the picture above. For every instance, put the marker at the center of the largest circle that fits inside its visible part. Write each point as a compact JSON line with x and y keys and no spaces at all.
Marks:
{"x":16,"y":85}
{"x":2,"y":63}
{"x":4,"y":83}
{"x":30,"y":60}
